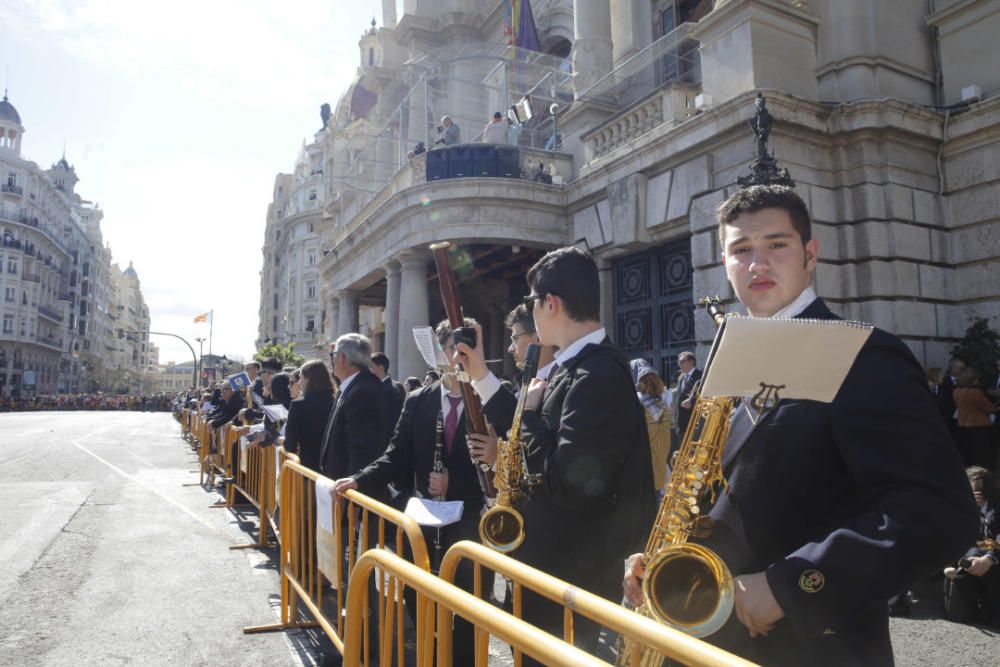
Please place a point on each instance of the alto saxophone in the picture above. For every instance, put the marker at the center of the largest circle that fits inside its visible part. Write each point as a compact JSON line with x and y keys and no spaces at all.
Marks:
{"x":502,"y":527}
{"x":687,"y":586}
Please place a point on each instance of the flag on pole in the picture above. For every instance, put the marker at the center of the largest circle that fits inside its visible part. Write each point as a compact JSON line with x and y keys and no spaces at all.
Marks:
{"x":519,"y":25}
{"x":201,"y":318}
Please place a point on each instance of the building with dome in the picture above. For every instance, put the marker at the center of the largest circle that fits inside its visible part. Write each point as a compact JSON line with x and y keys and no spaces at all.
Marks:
{"x":632,"y":127}
{"x":57,"y":321}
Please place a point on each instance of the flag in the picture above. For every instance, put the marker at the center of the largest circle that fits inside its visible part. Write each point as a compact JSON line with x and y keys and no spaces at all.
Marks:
{"x":201,"y":318}
{"x":519,"y":25}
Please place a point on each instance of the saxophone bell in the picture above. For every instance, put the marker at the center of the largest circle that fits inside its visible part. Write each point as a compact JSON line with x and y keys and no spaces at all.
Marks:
{"x":502,"y":527}
{"x":689,"y":588}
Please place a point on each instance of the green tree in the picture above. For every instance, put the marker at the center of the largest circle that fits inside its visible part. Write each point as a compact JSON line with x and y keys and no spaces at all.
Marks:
{"x":285,"y":354}
{"x":979,"y":348}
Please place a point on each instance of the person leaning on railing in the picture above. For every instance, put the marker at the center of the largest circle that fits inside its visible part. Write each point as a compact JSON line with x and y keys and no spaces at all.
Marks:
{"x":308,"y":414}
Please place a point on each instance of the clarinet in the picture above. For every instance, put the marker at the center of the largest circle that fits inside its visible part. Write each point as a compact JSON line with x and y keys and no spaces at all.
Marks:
{"x":474,"y":419}
{"x":439,"y":468}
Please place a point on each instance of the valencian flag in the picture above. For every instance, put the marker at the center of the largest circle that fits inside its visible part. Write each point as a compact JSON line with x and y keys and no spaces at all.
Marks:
{"x":519,"y":25}
{"x":202,"y":318}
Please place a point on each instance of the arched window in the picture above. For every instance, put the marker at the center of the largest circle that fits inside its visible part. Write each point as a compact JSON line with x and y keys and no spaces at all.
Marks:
{"x":371,"y":57}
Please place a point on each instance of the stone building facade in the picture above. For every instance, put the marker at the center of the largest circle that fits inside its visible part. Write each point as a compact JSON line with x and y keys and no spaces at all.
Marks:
{"x":887,"y":116}
{"x":58,"y":325}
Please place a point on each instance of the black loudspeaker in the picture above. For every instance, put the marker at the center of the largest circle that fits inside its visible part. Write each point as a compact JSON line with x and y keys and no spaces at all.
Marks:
{"x":437,"y":164}
{"x":508,"y":161}
{"x":459,"y":161}
{"x":484,"y":160}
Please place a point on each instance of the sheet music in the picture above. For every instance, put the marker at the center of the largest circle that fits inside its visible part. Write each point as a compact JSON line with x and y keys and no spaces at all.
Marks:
{"x":435,"y":513}
{"x":810,"y":358}
{"x":430,"y":348}
{"x":275,"y":413}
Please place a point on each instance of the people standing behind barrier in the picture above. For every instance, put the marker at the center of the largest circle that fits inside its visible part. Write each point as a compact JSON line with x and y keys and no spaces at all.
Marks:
{"x":232,"y":403}
{"x":687,"y":381}
{"x":268,"y":369}
{"x":280,"y":394}
{"x":495,"y":131}
{"x":449,"y":131}
{"x":975,"y":421}
{"x":409,"y":462}
{"x":412,"y":383}
{"x":972,"y":586}
{"x":308,"y":414}
{"x":586,"y":441}
{"x":356,"y":432}
{"x":394,"y":393}
{"x":653,"y":396}
{"x":430,"y":377}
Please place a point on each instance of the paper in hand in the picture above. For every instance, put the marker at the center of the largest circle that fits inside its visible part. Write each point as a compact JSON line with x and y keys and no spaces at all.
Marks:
{"x":808,"y":359}
{"x":430,"y":348}
{"x":435,"y":513}
{"x":275,"y":413}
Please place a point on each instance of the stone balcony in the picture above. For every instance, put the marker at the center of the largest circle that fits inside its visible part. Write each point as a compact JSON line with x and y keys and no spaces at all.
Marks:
{"x":412,"y":212}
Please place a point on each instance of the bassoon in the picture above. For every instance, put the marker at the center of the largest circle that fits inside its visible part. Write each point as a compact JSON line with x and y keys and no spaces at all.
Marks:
{"x":474,"y":421}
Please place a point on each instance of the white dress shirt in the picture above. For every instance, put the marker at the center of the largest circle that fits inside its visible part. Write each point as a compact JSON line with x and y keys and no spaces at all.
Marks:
{"x":446,"y":404}
{"x":346,"y":382}
{"x":800,"y":303}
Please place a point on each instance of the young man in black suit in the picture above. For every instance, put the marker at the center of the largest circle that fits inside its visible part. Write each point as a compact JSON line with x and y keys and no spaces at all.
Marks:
{"x":394,"y":393}
{"x":586,"y":439}
{"x":355,"y":432}
{"x":409,"y":462}
{"x":832,"y":508}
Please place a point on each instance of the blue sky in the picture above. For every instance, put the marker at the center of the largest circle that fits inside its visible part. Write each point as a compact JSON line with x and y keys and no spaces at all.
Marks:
{"x":176,"y":117}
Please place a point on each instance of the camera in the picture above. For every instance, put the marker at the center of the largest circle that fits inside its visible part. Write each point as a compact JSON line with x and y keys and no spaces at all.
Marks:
{"x":465,"y":335}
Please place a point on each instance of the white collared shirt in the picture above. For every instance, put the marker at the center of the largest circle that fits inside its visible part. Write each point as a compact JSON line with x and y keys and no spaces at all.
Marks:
{"x":800,"y":303}
{"x":346,"y":382}
{"x":490,"y":385}
{"x":565,"y":355}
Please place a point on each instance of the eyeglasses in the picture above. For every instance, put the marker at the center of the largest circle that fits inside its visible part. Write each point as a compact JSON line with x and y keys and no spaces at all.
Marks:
{"x":529,"y":301}
{"x":514,"y":337}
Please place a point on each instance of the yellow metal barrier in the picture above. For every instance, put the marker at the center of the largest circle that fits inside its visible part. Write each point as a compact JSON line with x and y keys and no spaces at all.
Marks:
{"x":645,"y":632}
{"x":254,"y":478}
{"x":356,"y":519}
{"x":437,"y":602}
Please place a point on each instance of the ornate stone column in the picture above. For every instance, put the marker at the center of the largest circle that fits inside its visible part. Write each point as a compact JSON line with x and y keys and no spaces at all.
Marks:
{"x":392,"y":278}
{"x":592,"y":44}
{"x":348,"y":313}
{"x":414,"y":310}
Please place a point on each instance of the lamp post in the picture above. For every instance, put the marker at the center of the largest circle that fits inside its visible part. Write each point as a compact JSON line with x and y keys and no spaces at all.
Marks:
{"x":194,"y":367}
{"x":201,"y":361}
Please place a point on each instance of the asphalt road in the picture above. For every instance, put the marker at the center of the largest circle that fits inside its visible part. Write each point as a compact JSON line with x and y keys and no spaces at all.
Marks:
{"x":107,"y":558}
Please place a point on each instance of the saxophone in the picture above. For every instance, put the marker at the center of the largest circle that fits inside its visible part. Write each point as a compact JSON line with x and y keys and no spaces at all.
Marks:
{"x":502,"y":527}
{"x":687,"y":586}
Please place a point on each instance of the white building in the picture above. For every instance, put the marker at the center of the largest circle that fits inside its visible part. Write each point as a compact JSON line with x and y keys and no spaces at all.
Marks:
{"x":886,"y":114}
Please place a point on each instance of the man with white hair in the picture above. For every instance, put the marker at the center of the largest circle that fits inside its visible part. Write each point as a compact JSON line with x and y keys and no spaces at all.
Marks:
{"x":356,"y":429}
{"x":450,"y":134}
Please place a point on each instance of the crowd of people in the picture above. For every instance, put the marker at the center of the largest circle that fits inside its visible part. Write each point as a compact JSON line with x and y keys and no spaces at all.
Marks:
{"x":830,"y":509}
{"x":158,"y":402}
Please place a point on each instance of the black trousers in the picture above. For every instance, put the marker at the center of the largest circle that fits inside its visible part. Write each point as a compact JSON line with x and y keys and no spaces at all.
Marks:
{"x":463,"y":632}
{"x":971,"y":599}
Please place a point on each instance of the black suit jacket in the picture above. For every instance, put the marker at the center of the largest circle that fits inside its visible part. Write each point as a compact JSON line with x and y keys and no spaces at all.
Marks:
{"x":307,"y":419}
{"x":596,"y":502}
{"x":393,"y":404}
{"x":355,"y":432}
{"x":226,"y":412}
{"x":409,"y":459}
{"x":684,"y":392}
{"x":843,"y":505}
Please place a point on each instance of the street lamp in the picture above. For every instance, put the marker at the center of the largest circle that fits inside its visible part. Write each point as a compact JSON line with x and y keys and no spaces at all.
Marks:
{"x":201,"y":361}
{"x":194,"y":366}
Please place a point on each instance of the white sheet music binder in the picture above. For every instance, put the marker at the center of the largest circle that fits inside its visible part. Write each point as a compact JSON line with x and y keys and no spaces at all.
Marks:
{"x":807,"y":359}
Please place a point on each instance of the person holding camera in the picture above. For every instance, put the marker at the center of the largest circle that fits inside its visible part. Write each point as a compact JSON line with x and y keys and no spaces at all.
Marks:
{"x":972,"y":588}
{"x":449,"y":131}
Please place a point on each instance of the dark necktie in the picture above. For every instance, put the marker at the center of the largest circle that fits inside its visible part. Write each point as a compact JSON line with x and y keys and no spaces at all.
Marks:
{"x":552,"y":372}
{"x":451,"y":422}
